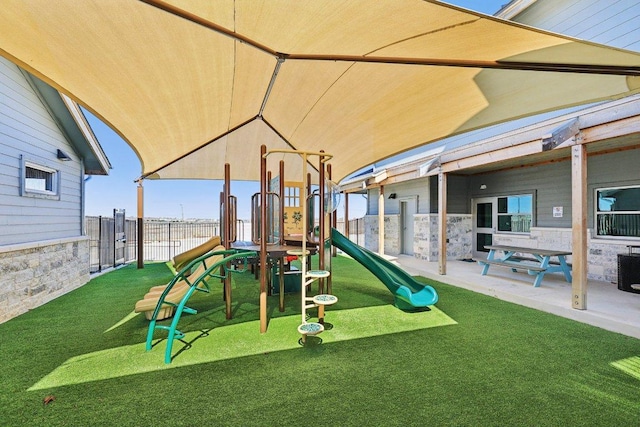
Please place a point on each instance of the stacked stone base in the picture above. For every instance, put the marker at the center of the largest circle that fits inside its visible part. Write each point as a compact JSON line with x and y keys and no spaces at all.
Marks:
{"x":36,"y":273}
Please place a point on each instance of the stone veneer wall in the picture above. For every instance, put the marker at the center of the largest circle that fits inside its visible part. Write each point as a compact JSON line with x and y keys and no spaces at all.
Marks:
{"x":459,"y":234}
{"x":602,"y":255}
{"x":602,"y":258}
{"x":35,"y":273}
{"x":391,"y":229}
{"x":425,"y":241}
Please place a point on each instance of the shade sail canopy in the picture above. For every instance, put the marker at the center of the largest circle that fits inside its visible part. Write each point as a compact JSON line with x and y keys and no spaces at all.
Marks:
{"x":193,"y":84}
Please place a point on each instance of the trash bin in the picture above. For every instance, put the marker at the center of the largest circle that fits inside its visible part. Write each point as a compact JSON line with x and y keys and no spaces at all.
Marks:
{"x":629,"y":270}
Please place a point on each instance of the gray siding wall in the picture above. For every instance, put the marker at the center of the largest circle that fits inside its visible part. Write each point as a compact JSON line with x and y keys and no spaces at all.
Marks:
{"x":551,"y":184}
{"x":418,"y":188}
{"x":28,"y":129}
{"x":457,"y":194}
{"x":601,"y":21}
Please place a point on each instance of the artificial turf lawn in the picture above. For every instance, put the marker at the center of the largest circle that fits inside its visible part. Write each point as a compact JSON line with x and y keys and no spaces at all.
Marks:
{"x":498,"y":364}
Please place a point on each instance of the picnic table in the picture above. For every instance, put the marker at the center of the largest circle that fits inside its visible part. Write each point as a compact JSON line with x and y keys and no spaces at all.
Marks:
{"x":537,"y":262}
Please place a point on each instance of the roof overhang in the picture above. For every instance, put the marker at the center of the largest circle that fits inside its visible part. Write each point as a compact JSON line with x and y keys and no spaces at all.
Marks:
{"x":74,"y":126}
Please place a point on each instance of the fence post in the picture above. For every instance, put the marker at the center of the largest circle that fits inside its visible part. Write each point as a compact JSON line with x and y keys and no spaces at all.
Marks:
{"x":140,"y":223}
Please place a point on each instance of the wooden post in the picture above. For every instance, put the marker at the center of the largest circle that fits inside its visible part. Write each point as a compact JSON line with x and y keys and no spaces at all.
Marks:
{"x":282,"y":241}
{"x":381,"y":221}
{"x":442,"y":223}
{"x":263,"y":239}
{"x":334,"y":224}
{"x":227,"y":236}
{"x":305,"y":208}
{"x":579,"y":226}
{"x":282,"y":195}
{"x":346,"y":214}
{"x":140,"y":225}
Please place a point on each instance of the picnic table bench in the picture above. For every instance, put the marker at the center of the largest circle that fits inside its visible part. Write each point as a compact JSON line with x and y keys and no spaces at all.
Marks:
{"x":539,"y":264}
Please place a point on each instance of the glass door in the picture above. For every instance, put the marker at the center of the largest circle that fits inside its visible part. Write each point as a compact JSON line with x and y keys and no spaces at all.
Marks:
{"x":484,"y":220}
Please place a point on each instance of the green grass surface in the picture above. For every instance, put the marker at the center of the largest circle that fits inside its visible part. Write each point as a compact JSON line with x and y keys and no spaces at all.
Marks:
{"x":474,"y":360}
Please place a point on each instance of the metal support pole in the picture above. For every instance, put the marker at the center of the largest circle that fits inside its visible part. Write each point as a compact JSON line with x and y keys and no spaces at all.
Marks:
{"x":322,"y":222}
{"x":140,"y":224}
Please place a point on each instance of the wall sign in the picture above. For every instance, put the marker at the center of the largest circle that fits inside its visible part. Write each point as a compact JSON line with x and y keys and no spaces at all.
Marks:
{"x":557,"y":211}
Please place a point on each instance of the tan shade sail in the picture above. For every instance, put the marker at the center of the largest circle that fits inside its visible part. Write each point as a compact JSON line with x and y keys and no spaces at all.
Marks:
{"x":192,"y":84}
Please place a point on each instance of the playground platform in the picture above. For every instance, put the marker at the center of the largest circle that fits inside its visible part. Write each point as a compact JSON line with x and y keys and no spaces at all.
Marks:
{"x":607,"y":307}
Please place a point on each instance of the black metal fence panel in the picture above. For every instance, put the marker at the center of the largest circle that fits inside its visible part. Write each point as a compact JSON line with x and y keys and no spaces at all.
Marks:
{"x":162,"y":240}
{"x":112,"y":244}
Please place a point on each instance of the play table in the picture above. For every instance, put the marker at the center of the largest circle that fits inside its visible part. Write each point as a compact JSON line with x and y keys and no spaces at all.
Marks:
{"x":275,"y":253}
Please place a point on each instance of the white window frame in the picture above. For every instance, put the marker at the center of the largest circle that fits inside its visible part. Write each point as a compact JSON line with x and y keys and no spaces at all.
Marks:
{"x":292,"y":196}
{"x":597,"y":214}
{"x":25,"y":191}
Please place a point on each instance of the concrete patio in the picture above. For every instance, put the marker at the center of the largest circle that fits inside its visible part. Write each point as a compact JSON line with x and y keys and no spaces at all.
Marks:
{"x":607,"y":306}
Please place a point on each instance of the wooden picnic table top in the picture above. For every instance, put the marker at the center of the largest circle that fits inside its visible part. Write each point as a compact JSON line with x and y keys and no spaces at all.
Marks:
{"x":536,"y":251}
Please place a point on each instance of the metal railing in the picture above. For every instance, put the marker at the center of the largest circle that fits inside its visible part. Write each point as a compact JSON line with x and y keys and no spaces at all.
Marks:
{"x":356,"y":230}
{"x":164,"y":239}
{"x":105,"y":249}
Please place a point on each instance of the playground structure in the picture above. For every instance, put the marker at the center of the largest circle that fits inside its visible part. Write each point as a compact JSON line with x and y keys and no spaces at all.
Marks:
{"x":177,"y":288}
{"x":272,"y":244}
{"x":308,"y":276}
{"x":210,"y":266}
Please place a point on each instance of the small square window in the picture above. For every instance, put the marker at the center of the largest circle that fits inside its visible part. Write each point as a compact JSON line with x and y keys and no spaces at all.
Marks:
{"x":39,"y":180}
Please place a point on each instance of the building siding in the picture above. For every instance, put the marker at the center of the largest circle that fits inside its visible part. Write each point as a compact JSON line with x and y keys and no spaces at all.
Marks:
{"x":606,"y":22}
{"x":418,"y":189}
{"x":28,"y":129}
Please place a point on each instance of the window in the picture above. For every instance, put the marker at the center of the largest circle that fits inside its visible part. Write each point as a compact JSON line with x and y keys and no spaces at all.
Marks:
{"x":38,"y":180}
{"x":515,"y":213}
{"x":618,"y":212}
{"x":292,"y":197}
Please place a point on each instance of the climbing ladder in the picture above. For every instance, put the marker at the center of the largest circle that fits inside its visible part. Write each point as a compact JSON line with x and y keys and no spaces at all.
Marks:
{"x":199,"y":284}
{"x":320,"y":301}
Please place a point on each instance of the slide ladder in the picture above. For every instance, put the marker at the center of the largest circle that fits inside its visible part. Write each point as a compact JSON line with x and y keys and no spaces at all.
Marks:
{"x":216,"y":270}
{"x":307,"y":302}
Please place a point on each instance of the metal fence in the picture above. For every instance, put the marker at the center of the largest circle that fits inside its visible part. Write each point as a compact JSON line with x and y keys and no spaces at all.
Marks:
{"x":105,"y":249}
{"x":163,"y":239}
{"x":356,"y":230}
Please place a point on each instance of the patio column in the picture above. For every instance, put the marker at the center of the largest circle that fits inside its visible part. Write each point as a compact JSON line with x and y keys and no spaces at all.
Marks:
{"x":381,"y":221}
{"x":442,"y":223}
{"x":140,"y":225}
{"x":579,"y":226}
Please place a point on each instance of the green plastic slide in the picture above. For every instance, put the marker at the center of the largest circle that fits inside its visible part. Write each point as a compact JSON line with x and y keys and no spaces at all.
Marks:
{"x":409,"y":293}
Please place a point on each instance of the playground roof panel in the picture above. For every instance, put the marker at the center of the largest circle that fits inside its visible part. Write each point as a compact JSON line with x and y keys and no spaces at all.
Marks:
{"x":191,"y":85}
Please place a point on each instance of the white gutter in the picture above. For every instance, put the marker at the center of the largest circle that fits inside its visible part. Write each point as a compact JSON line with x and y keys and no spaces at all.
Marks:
{"x":513,"y":8}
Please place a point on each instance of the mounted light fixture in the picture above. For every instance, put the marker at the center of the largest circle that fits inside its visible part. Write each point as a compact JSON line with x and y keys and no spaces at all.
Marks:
{"x":63,"y":156}
{"x":392,"y":196}
{"x":483,"y":186}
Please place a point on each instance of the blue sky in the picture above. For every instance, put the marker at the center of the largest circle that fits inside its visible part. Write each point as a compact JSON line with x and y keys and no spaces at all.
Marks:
{"x":186,"y":198}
